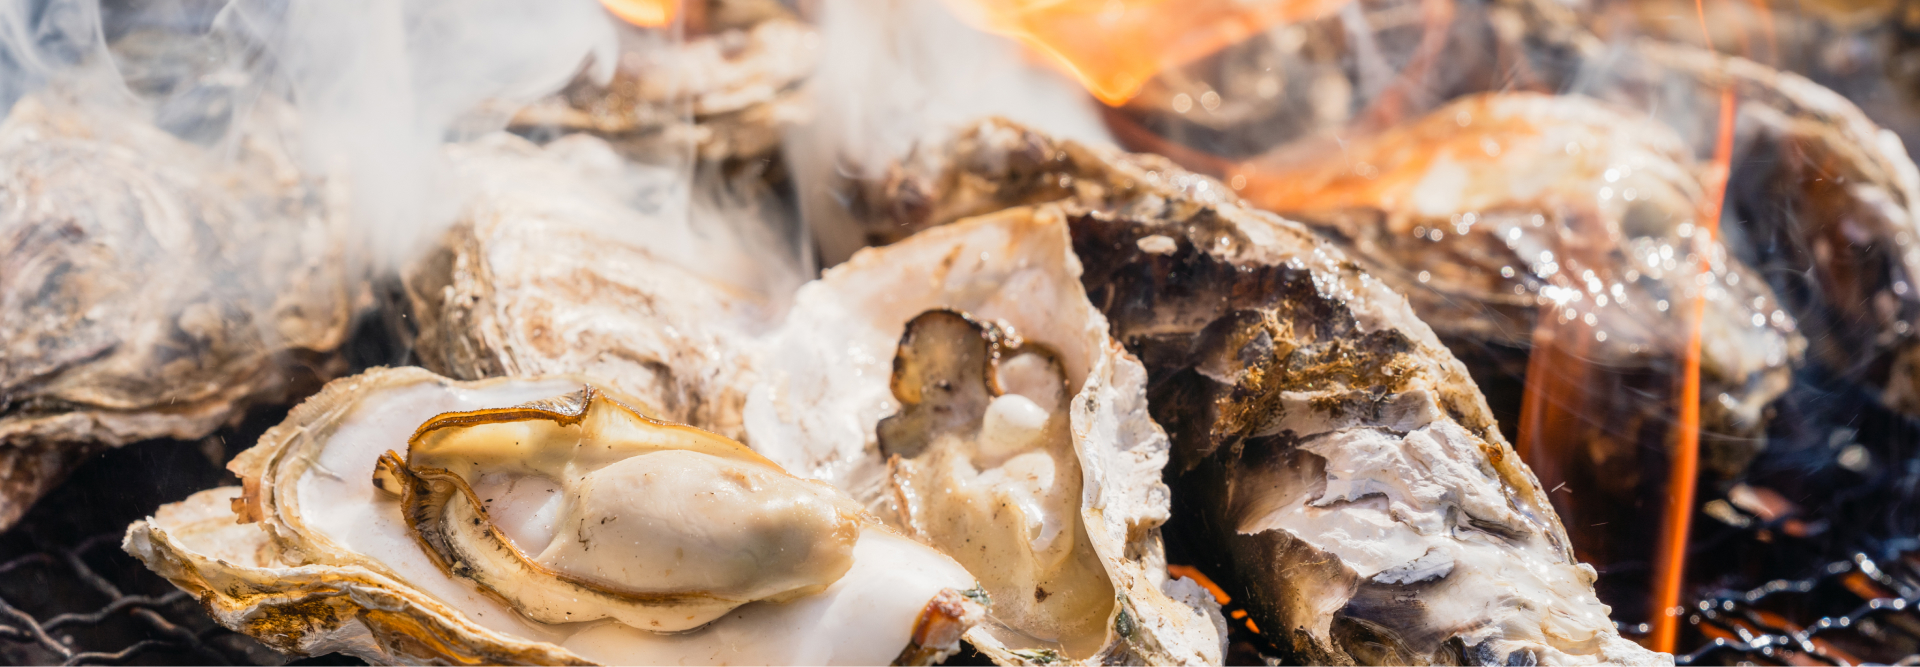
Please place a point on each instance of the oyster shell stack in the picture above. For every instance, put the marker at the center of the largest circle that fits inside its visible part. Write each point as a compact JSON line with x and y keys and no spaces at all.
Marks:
{"x":532,"y":521}
{"x":152,"y":288}
{"x":1333,"y":466}
{"x":553,"y":269}
{"x":960,"y":384}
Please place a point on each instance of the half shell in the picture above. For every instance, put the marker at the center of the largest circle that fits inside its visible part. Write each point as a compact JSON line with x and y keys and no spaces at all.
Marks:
{"x":1343,"y":474}
{"x":876,"y":382}
{"x":332,"y":563}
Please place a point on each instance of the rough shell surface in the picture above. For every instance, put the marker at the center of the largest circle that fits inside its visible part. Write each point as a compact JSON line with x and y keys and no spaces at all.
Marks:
{"x":1504,"y":215}
{"x":552,"y":270}
{"x":149,"y":287}
{"x":729,"y":92}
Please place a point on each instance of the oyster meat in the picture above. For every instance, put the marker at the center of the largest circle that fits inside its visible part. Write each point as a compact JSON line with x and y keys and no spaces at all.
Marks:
{"x":150,"y":287}
{"x":960,"y":384}
{"x":1333,"y":466}
{"x":534,"y":521}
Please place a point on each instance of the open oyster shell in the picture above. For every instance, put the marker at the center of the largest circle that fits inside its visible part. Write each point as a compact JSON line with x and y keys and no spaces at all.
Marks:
{"x":840,"y":396}
{"x":332,"y":564}
{"x":149,"y":287}
{"x":1346,"y":479}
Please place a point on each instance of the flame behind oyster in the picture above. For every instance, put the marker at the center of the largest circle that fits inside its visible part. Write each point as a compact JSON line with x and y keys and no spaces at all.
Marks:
{"x":610,"y":514}
{"x":330,"y":564}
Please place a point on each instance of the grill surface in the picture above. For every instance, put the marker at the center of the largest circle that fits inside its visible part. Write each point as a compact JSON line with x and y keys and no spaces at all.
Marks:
{"x":70,"y":595}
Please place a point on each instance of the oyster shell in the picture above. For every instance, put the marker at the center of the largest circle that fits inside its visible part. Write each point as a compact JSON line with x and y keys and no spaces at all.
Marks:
{"x":1824,"y":203}
{"x":1052,"y":466}
{"x":149,"y":287}
{"x":553,"y":269}
{"x":1344,"y":477}
{"x":729,"y":91}
{"x":1496,"y":209}
{"x":336,"y":562}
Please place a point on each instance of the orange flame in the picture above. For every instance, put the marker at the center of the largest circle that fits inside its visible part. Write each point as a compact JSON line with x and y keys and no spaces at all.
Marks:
{"x":643,"y":13}
{"x":1114,"y":46}
{"x":1670,"y":562}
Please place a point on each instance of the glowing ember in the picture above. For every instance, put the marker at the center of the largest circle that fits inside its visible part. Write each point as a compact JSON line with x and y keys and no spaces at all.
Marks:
{"x":643,"y":13}
{"x":1115,"y":46}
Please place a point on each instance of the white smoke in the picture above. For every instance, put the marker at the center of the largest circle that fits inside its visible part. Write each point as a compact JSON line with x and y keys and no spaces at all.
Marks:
{"x":896,"y":72}
{"x":381,"y":85}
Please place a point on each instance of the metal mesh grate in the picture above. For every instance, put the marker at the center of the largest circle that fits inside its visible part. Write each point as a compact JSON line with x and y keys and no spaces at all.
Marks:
{"x":1853,"y":611}
{"x":70,"y":595}
{"x":135,"y":627}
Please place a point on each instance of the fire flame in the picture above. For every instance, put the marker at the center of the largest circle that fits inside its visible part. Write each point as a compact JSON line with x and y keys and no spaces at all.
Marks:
{"x":643,"y":13}
{"x":1114,"y":46}
{"x":1670,"y":562}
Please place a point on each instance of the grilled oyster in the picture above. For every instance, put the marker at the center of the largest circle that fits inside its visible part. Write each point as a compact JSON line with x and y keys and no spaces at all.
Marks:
{"x":558,"y":531}
{"x":1824,"y":203}
{"x":1343,"y":476}
{"x":1496,"y":211}
{"x":150,"y":287}
{"x":960,"y":383}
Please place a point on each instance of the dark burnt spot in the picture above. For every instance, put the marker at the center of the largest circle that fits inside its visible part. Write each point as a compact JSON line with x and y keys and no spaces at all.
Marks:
{"x":1223,"y":343}
{"x":941,"y":376}
{"x":1040,"y":594}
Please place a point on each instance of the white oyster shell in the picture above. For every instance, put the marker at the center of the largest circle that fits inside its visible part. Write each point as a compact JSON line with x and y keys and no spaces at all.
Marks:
{"x":822,"y":387}
{"x":331,"y":566}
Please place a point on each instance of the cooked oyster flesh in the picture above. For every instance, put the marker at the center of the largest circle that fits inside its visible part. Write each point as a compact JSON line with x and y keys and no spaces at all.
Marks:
{"x":321,"y":489}
{"x":984,"y":469}
{"x":587,"y":488}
